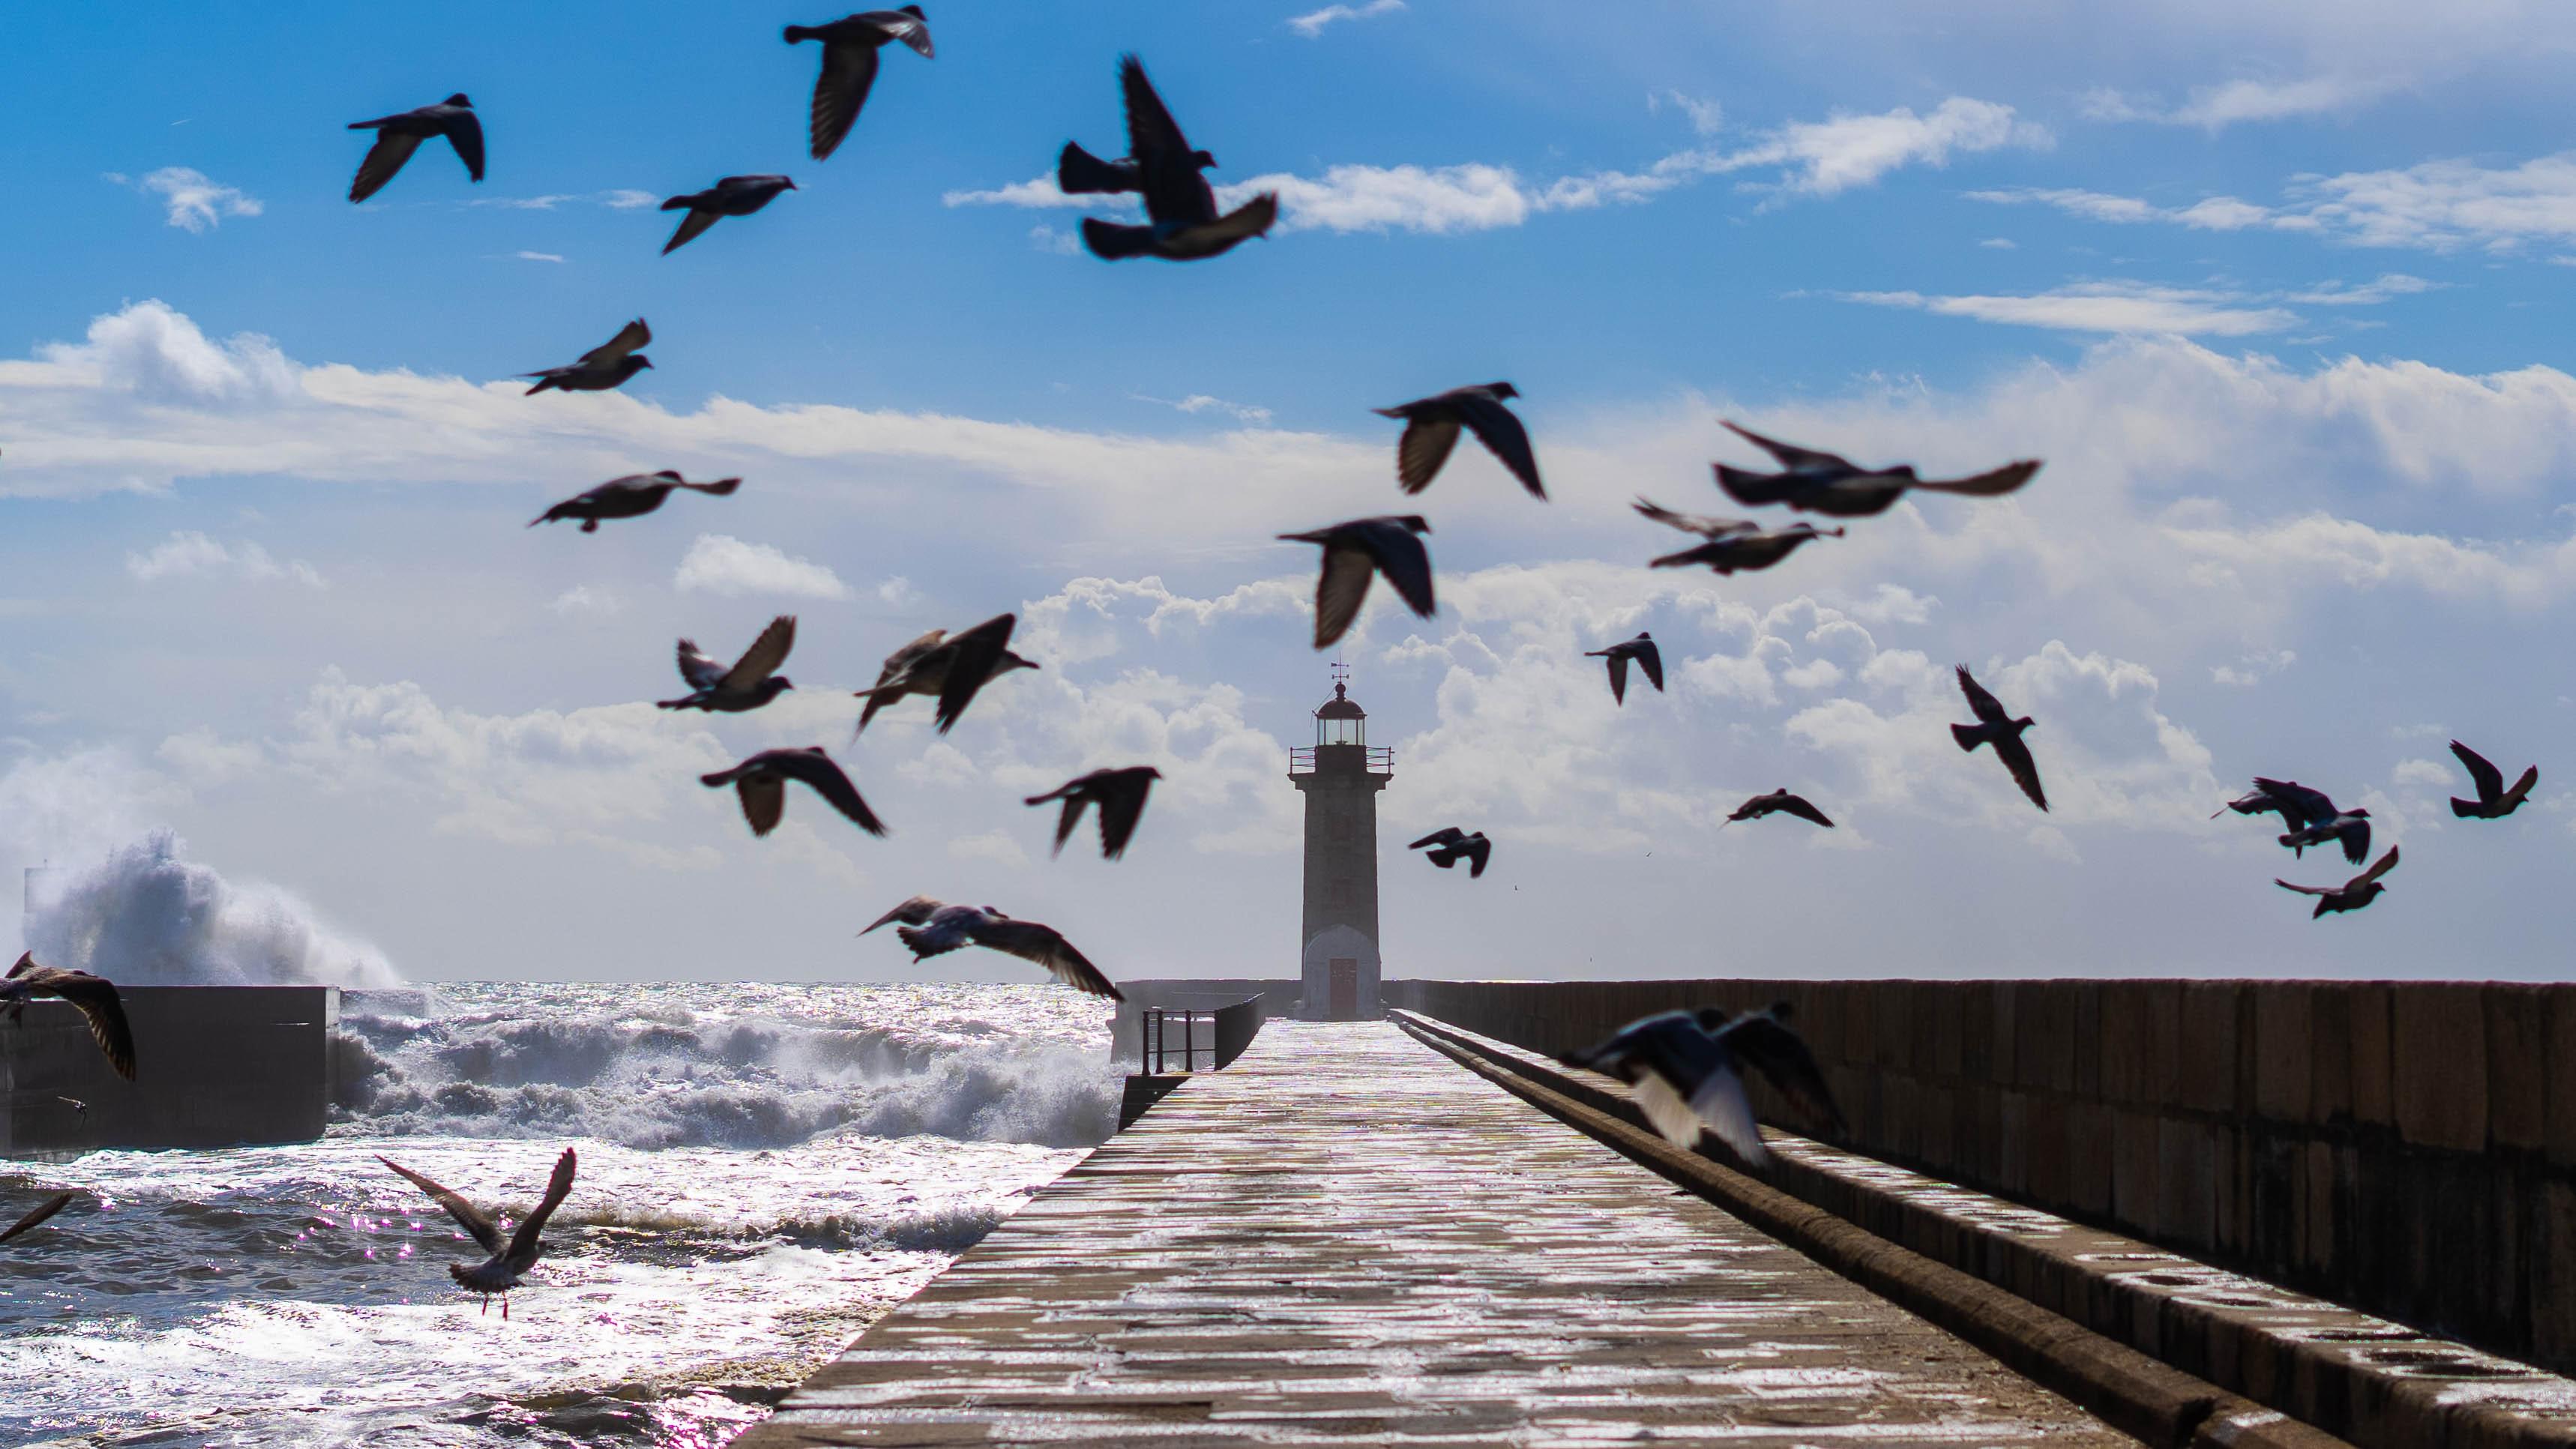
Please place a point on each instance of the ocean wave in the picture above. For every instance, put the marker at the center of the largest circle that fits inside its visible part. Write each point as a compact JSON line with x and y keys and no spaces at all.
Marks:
{"x":148,"y":917}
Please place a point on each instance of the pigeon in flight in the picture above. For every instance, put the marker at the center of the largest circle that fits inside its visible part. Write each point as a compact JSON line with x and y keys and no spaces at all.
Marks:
{"x":732,"y":196}
{"x":601,"y":368}
{"x":2318,"y":820}
{"x":1997,"y":728}
{"x":1825,"y":483}
{"x":1431,"y":427}
{"x":761,"y":782}
{"x":951,"y":666}
{"x":931,"y":928}
{"x":2494,"y":801}
{"x":753,"y":680}
{"x":1641,"y":649}
{"x":632,"y":496}
{"x":2352,"y":895}
{"x":1358,"y":549}
{"x":2261,"y":799}
{"x":37,"y":1215}
{"x":1778,"y":802}
{"x":93,"y":996}
{"x":1743,"y":549}
{"x":1685,"y":1071}
{"x":1705,"y":525}
{"x":511,"y":1259}
{"x":1449,"y":845}
{"x":1120,"y":794}
{"x":398,"y":136}
{"x":850,"y":47}
{"x":1163,"y":168}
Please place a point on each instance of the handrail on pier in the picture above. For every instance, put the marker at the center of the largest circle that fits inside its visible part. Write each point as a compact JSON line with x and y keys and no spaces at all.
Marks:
{"x":1153,"y":1056}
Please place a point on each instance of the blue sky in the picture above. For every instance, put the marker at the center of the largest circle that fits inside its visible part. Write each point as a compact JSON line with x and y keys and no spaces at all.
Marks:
{"x":2279,"y":290}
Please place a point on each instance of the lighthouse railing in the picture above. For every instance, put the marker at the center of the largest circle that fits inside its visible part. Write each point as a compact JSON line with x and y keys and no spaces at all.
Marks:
{"x":1375,"y":759}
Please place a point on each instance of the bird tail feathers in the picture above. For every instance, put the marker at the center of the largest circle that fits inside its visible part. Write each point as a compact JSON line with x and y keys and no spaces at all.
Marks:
{"x":1747,"y":487}
{"x":1078,"y":172}
{"x":1969,"y":739}
{"x":720,"y":488}
{"x":1110,"y":241}
{"x":2465,"y":809}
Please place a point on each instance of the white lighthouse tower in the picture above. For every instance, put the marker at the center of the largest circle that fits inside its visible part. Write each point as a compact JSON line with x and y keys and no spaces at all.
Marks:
{"x":1340,"y":777}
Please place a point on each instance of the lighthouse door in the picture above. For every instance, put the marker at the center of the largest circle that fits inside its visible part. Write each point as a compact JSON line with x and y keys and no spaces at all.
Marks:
{"x":1344,"y":981}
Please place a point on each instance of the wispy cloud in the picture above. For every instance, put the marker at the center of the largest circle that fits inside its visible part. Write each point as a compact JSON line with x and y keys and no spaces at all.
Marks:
{"x":622,"y":198}
{"x":719,"y":563}
{"x":1199,"y":402}
{"x":2215,"y":108}
{"x":538,"y":256}
{"x":2000,"y":244}
{"x":1840,"y":152}
{"x":192,"y":200}
{"x":2118,"y":307}
{"x":1706,"y":117}
{"x":1313,"y":22}
{"x":191,"y":555}
{"x":2364,"y":294}
{"x":2214,"y":213}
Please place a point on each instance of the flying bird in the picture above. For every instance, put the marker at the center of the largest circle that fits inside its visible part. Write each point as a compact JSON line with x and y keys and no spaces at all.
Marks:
{"x":1355,"y":551}
{"x":732,"y":196}
{"x":1641,"y":649}
{"x":850,"y":46}
{"x":761,"y":782}
{"x":76,"y":1104}
{"x":952,"y":666}
{"x":1995,"y":727}
{"x":398,"y":136}
{"x":94,"y":997}
{"x":1449,"y":845}
{"x":1705,"y":525}
{"x":2260,"y":799}
{"x":511,"y":1259}
{"x":2352,"y":895}
{"x":1685,"y":1071}
{"x":1745,"y":550}
{"x":1431,"y":427}
{"x":1120,"y":794}
{"x":2494,"y":801}
{"x":1778,"y":802}
{"x":1826,"y":483}
{"x":751,"y":682}
{"x":37,"y":1214}
{"x":632,"y":496}
{"x":2318,"y":819}
{"x":931,"y":928}
{"x":601,"y":368}
{"x":1163,"y":168}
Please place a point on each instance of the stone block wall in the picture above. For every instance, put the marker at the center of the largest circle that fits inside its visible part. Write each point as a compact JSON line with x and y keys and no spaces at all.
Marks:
{"x":214,"y":1066}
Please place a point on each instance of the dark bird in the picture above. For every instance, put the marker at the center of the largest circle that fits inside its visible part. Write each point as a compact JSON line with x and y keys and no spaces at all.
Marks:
{"x":1825,"y":483}
{"x":951,"y":666}
{"x":94,"y":997}
{"x":1705,"y":525}
{"x":931,"y":929}
{"x":850,"y":47}
{"x":1431,"y":427}
{"x":1778,"y":802}
{"x":511,"y":1259}
{"x":761,"y":782}
{"x":398,"y":136}
{"x":601,"y":368}
{"x":2494,"y":801}
{"x":1120,"y":794}
{"x":732,"y":196}
{"x":1685,"y":1071}
{"x":76,"y":1104}
{"x":2261,"y":799}
{"x":2317,"y":819}
{"x":1163,"y":168}
{"x":632,"y":496}
{"x":1995,"y":727}
{"x":1449,"y":845}
{"x":753,"y":680}
{"x":1747,"y":548}
{"x":1355,"y":551}
{"x":1642,"y":649}
{"x":2353,"y":894}
{"x":38,"y":1214}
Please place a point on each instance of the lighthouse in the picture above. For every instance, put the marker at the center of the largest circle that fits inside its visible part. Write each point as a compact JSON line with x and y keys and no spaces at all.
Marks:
{"x":1340,"y":777}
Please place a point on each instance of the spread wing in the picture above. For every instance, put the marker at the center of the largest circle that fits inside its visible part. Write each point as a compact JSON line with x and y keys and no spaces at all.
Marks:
{"x":849,"y":71}
{"x":1984,"y":705}
{"x":1046,"y":946}
{"x":2522,"y":786}
{"x":911,"y":29}
{"x":2489,"y":779}
{"x":970,"y":665}
{"x":523,"y":1242}
{"x":2025,"y":770}
{"x":1992,"y":484}
{"x":2386,"y":864}
{"x":1445,"y":835}
{"x":2311,"y":806}
{"x":38,"y":1214}
{"x":465,"y":133}
{"x":2356,"y":842}
{"x":1399,"y":554}
{"x":1424,"y":447}
{"x":1799,"y":806}
{"x":1122,"y":804}
{"x":764,"y":656}
{"x":614,"y":351}
{"x":1705,"y":525}
{"x":26,"y":963}
{"x":1151,"y":131}
{"x":1789,"y":455}
{"x":1651,"y":659}
{"x":2307,"y":890}
{"x":698,"y":669}
{"x":469,"y":1217}
{"x":827,"y":780}
{"x":384,"y":158}
{"x":1501,"y":431}
{"x":1781,"y":1055}
{"x":96,"y":999}
{"x":912,"y":913}
{"x":1253,"y":218}
{"x":1478,"y":849}
{"x":764,"y":801}
{"x":691,"y":226}
{"x":1618,"y":678}
{"x":1340,"y":591}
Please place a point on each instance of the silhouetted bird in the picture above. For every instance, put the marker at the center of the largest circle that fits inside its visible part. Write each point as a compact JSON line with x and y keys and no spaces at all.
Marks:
{"x":1826,"y":483}
{"x":1641,"y":649}
{"x":1997,"y":728}
{"x":933,"y":929}
{"x":1746,"y":551}
{"x":1685,"y":1071}
{"x":2352,"y":895}
{"x":951,"y":666}
{"x":94,"y":997}
{"x":2260,"y":799}
{"x":850,"y":47}
{"x":1431,"y":427}
{"x":1705,"y":525}
{"x":398,"y":136}
{"x":1449,"y":845}
{"x":76,"y":1104}
{"x":632,"y":496}
{"x":1164,"y":168}
{"x":753,"y":680}
{"x":1353,"y":553}
{"x":1120,"y":794}
{"x":2317,"y":819}
{"x":732,"y":196}
{"x":601,"y":368}
{"x":37,"y":1214}
{"x":2494,"y":801}
{"x":761,"y":782}
{"x":511,"y":1259}
{"x":1778,"y":802}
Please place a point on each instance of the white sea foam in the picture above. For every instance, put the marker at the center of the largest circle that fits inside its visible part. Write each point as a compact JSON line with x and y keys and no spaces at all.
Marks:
{"x":147,"y":916}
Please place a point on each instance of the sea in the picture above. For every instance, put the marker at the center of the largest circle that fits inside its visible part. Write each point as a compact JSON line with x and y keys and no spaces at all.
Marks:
{"x":764,"y":1169}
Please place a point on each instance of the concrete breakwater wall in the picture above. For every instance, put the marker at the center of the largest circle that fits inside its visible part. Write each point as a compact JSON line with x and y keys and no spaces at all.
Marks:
{"x":215,"y":1066}
{"x":2406,"y":1148}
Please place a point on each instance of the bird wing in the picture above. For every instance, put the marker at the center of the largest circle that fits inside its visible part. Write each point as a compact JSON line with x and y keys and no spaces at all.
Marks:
{"x":523,"y":1242}
{"x":972,"y":656}
{"x":614,"y":351}
{"x":2309,"y":890}
{"x":1702,"y":524}
{"x":1340,"y":591}
{"x":38,"y":1214}
{"x":1799,"y":806}
{"x":1478,"y":849}
{"x":691,"y":226}
{"x":1253,"y":218}
{"x":764,"y":801}
{"x":762,"y":659}
{"x":1399,"y":554}
{"x":1991,"y":484}
{"x":1981,"y":703}
{"x":1071,"y":816}
{"x":25,"y":963}
{"x":849,"y":71}
{"x":2522,"y":786}
{"x":1781,"y":1055}
{"x":2025,"y":770}
{"x":1122,"y":804}
{"x":1665,"y":1110}
{"x":1618,"y":678}
{"x":828,"y":780}
{"x":1445,"y":835}
{"x":384,"y":158}
{"x":2386,"y":864}
{"x":1651,"y":659}
{"x":2356,"y":841}
{"x":1790,"y":455}
{"x":1046,"y":946}
{"x":902,"y":25}
{"x":96,"y":999}
{"x":2489,"y":779}
{"x":1423,"y":448}
{"x":1501,"y":431}
{"x":469,"y":1217}
{"x":2312,"y":806}
{"x":912,"y":912}
{"x":1721,"y":1107}
{"x":698,"y":669}
{"x":1151,"y":131}
{"x":465,"y":133}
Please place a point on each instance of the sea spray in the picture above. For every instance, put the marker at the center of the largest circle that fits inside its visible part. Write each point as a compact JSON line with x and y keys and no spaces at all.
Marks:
{"x":147,"y":916}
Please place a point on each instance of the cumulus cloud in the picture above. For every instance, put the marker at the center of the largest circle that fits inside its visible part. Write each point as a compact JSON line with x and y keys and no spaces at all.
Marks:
{"x":719,"y":563}
{"x":191,"y":200}
{"x":191,"y":555}
{"x":1312,"y":23}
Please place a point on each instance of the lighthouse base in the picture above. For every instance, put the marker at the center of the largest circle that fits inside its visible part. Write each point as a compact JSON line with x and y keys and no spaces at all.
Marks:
{"x":1339,"y":973}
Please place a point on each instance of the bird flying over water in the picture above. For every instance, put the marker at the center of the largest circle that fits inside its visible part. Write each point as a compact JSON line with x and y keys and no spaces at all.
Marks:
{"x":732,"y":196}
{"x":2312,"y":819}
{"x":399,"y":136}
{"x":2494,"y":801}
{"x":761,"y":782}
{"x":752,"y":681}
{"x":632,"y":496}
{"x":1120,"y":794}
{"x":37,"y":1214}
{"x":1449,"y":845}
{"x":511,"y":1259}
{"x":94,"y":997}
{"x":2352,"y":895}
{"x":601,"y":368}
{"x":850,"y":46}
{"x":1746,"y":550}
{"x":1685,"y":1071}
{"x":1163,"y":168}
{"x":1431,"y":427}
{"x":1827,"y":483}
{"x":1641,"y":649}
{"x":1996,"y":727}
{"x":1353,"y":553}
{"x":1778,"y":802}
{"x":932,"y":928}
{"x":952,"y":666}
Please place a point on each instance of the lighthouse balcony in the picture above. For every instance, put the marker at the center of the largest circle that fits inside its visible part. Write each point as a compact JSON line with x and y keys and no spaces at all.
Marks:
{"x":1339,"y":759}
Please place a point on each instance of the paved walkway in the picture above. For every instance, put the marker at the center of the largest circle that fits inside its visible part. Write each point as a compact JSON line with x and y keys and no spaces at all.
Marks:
{"x":1345,"y":1240}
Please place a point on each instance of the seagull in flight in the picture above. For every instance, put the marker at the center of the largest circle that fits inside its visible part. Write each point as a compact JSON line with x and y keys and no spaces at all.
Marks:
{"x":1778,"y":802}
{"x":1685,"y":1071}
{"x":752,"y":681}
{"x":1120,"y":794}
{"x":1432,"y":424}
{"x":1996,"y":726}
{"x":94,"y":997}
{"x":1641,"y":649}
{"x":1828,"y":483}
{"x":953,"y":667}
{"x":1359,"y":550}
{"x":399,"y":136}
{"x":761,"y":783}
{"x":933,"y":928}
{"x":2352,"y":895}
{"x":511,"y":1259}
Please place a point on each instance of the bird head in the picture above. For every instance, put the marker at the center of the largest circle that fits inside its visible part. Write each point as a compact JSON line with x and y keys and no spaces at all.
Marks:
{"x":1502,"y":389}
{"x":1416,"y":522}
{"x":789,"y":184}
{"x":1642,"y":634}
{"x":1010,"y":661}
{"x":1151,"y":773}
{"x":2358,"y":813}
{"x":638,"y":362}
{"x":458,"y":99}
{"x":781,"y":681}
{"x":1710,"y":1018}
{"x":2025,"y":722}
{"x":1202,"y":160}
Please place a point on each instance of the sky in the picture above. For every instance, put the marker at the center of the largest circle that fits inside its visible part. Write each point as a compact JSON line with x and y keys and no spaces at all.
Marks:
{"x":2279,"y":291}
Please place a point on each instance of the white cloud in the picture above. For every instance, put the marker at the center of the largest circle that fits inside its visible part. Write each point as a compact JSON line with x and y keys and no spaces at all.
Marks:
{"x":2438,"y":206}
{"x":623,"y":198}
{"x":581,"y":600}
{"x":1199,"y":402}
{"x":1706,"y":117}
{"x":1053,"y":242}
{"x":1312,"y":23}
{"x":2214,"y":108}
{"x":2000,"y":243}
{"x":191,"y":555}
{"x":2215,"y":213}
{"x":1844,"y":151}
{"x":2427,"y":774}
{"x":2364,"y":294}
{"x":2125,"y":307}
{"x":537,"y":256}
{"x":2255,"y":667}
{"x":193,"y":201}
{"x":719,"y":563}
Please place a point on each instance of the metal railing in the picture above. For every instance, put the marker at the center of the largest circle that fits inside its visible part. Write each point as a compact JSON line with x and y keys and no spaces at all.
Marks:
{"x":1378,"y":759}
{"x":1154,"y":1051}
